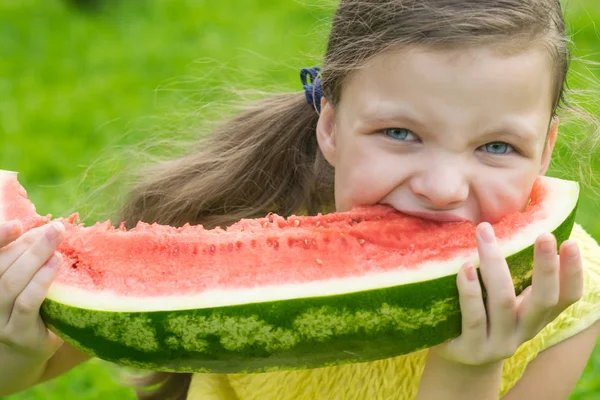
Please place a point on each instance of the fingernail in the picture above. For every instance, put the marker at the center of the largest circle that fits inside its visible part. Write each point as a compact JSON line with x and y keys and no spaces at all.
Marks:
{"x":487,"y":233}
{"x":470,"y":272}
{"x":547,"y":245}
{"x":54,"y":261}
{"x":14,"y":227}
{"x":53,"y":231}
{"x":572,"y":250}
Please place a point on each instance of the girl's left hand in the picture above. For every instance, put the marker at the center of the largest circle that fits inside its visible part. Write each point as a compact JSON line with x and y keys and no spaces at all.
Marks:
{"x":494,"y":331}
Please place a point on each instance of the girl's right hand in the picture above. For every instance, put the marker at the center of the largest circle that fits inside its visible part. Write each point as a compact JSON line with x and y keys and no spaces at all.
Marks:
{"x":28,"y":265}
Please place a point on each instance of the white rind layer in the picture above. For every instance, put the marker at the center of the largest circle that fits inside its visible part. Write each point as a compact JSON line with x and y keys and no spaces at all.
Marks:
{"x":561,"y":200}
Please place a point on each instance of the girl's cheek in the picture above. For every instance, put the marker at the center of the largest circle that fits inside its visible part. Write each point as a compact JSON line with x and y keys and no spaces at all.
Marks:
{"x":363,"y":183}
{"x":502,"y":198}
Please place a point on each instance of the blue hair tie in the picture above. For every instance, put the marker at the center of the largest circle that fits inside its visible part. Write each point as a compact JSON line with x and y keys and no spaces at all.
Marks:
{"x":312,"y":90}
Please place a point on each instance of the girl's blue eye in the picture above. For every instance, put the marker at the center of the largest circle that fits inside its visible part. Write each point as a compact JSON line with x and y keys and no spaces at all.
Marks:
{"x":498,"y":148}
{"x":399,"y":134}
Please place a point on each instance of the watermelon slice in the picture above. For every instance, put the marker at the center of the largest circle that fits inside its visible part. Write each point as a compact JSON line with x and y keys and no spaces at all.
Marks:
{"x":274,"y":293}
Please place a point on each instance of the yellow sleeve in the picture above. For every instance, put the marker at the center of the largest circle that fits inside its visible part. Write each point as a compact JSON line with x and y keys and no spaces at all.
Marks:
{"x":399,"y":377}
{"x":211,"y":387}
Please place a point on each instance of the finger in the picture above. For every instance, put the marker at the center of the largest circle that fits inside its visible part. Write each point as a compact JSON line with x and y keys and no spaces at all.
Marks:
{"x":15,"y":249}
{"x":9,"y":231}
{"x":545,"y":281}
{"x":501,"y":298}
{"x":570,"y":273}
{"x":472,"y":340}
{"x":545,"y":288}
{"x":472,"y":307}
{"x":25,"y":313}
{"x":521,"y":299}
{"x":18,"y":275}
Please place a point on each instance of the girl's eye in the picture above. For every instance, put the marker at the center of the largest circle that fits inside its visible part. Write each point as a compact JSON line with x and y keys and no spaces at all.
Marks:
{"x":400,"y":134}
{"x":497,"y":148}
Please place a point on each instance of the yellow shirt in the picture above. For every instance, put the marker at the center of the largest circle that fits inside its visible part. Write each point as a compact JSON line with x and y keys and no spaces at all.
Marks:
{"x":398,"y":378}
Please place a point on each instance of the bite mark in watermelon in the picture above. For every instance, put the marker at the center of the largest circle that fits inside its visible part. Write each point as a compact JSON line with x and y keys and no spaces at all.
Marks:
{"x":274,"y":293}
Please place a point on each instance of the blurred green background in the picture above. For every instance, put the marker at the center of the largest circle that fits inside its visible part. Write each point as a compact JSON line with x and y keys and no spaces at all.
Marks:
{"x":89,"y":88}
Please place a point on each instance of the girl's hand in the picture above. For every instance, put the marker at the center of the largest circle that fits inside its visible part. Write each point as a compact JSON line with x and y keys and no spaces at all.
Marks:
{"x":28,"y":265}
{"x":493,"y":331}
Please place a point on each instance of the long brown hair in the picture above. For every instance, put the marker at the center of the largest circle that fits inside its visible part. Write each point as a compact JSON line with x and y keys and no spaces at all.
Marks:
{"x":266,"y":158}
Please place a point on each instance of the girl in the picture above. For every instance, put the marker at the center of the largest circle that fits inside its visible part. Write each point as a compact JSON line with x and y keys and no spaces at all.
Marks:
{"x":442,"y":109}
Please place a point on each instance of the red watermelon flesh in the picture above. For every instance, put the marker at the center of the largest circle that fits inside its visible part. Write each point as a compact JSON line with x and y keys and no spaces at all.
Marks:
{"x":14,"y":204}
{"x":153,"y":259}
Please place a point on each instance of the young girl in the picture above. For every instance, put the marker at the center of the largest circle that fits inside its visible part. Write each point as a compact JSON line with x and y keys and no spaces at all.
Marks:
{"x":442,"y":109}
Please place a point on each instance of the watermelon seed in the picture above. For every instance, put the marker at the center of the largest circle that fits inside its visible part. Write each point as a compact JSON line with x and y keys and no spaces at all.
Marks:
{"x":361,"y":241}
{"x":318,"y":223}
{"x":319,"y":261}
{"x":212,"y":249}
{"x":297,"y":222}
{"x":275,"y":244}
{"x":265,"y":224}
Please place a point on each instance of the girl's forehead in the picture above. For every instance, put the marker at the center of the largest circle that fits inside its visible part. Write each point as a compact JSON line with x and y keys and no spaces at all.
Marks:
{"x":454,"y":77}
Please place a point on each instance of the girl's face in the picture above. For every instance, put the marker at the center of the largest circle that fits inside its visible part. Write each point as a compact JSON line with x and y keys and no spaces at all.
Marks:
{"x":446,"y":135}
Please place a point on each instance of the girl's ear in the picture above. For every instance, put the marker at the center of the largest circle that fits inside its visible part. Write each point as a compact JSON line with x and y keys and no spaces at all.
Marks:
{"x":550,"y":141}
{"x":326,"y":131}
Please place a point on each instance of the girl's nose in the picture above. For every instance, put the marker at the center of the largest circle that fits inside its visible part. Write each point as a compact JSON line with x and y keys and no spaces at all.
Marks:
{"x":442,"y":187}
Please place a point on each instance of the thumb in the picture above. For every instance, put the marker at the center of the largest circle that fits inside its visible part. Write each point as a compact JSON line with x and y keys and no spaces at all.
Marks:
{"x":51,"y":342}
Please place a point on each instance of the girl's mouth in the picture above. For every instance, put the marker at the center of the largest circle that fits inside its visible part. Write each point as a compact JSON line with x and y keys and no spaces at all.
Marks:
{"x":440,"y":216}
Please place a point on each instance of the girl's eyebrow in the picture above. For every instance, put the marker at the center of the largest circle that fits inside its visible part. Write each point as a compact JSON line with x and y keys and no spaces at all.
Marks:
{"x":385,"y":119}
{"x":514,"y":129}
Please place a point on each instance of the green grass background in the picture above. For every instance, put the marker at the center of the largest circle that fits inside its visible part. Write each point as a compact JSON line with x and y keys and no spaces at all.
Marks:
{"x":80,"y":88}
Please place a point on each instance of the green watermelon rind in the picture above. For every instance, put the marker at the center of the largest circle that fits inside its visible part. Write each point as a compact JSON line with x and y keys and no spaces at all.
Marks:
{"x":280,"y":335}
